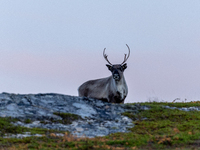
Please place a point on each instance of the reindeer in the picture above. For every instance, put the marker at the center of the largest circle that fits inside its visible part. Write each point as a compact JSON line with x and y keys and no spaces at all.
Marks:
{"x":112,"y":89}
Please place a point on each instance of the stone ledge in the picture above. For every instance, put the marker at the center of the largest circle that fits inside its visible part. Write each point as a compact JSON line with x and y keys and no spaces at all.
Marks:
{"x":98,"y":118}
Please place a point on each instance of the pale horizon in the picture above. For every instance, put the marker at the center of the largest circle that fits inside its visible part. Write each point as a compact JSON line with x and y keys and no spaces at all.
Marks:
{"x":55,"y":46}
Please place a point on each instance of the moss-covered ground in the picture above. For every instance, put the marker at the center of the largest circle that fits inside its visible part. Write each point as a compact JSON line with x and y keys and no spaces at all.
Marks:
{"x":156,"y":128}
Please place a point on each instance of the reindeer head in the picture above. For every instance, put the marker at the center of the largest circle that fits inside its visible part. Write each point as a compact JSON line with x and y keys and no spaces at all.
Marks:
{"x":118,"y":69}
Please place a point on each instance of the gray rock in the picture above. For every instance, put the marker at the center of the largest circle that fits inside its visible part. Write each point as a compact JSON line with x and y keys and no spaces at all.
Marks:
{"x":184,"y":108}
{"x":26,"y":134}
{"x":98,"y":118}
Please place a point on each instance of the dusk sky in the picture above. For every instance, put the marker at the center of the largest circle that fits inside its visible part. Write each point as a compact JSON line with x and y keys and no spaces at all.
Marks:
{"x":49,"y":46}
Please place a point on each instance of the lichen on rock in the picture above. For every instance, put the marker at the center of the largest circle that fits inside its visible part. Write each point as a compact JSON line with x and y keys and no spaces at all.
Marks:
{"x":79,"y":115}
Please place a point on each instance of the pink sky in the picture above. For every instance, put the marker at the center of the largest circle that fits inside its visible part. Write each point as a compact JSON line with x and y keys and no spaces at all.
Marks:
{"x":55,"y":46}
{"x":148,"y":75}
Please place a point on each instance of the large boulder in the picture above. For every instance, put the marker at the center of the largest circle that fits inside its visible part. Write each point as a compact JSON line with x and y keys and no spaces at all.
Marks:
{"x":97,"y":118}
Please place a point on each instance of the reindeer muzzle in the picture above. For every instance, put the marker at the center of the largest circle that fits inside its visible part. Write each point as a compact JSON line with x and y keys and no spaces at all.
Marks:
{"x":116,"y":75}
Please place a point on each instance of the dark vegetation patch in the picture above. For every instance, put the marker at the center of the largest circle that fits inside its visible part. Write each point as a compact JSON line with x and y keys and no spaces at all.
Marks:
{"x":156,"y":128}
{"x":27,"y":121}
{"x":7,"y":128}
{"x":67,"y":118}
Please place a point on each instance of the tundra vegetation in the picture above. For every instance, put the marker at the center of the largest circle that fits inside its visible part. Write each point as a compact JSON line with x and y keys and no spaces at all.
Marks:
{"x":156,"y":128}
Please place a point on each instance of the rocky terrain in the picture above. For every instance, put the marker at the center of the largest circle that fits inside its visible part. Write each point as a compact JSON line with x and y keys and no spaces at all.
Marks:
{"x":184,"y":108}
{"x":93,"y":117}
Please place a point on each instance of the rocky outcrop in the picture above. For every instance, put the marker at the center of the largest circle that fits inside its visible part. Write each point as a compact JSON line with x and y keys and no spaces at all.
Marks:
{"x":97,"y":118}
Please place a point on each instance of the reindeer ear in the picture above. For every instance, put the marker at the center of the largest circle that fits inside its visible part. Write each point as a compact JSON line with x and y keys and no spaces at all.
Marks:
{"x":109,"y":67}
{"x":124,"y":66}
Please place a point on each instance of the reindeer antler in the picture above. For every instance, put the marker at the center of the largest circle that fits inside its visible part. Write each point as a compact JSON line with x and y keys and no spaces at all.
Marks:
{"x":126,"y":58}
{"x":106,"y":56}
